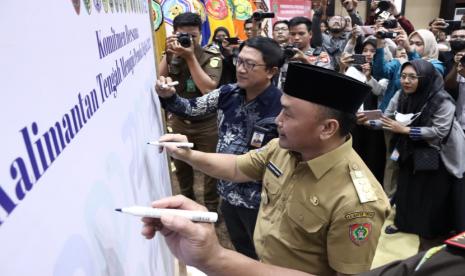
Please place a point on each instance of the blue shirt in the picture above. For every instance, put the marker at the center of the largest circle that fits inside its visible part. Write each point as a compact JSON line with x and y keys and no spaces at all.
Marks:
{"x":391,"y":71}
{"x":239,"y":125}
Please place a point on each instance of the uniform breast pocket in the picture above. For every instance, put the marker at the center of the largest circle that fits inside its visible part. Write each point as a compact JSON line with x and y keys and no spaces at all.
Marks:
{"x":271,"y":189}
{"x":302,"y":227}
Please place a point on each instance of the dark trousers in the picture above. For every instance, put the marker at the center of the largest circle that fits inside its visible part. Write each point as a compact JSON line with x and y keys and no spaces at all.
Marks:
{"x":458,"y":193}
{"x":240,"y":223}
{"x":204,"y":135}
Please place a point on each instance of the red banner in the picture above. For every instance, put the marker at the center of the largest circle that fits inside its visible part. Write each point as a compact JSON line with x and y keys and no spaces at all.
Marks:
{"x":286,"y":9}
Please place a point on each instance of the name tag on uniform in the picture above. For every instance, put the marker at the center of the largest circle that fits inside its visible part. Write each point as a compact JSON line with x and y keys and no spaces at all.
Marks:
{"x":274,"y":170}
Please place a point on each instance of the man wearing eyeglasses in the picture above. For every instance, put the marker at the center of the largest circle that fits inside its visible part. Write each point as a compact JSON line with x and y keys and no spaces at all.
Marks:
{"x":246,"y":113}
{"x":336,"y":40}
{"x":198,"y":71}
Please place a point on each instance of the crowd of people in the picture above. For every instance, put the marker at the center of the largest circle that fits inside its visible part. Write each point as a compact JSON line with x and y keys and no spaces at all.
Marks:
{"x":312,"y":134}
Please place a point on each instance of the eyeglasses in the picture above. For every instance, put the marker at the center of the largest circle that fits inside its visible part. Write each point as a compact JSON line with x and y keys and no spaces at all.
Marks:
{"x":248,"y":65}
{"x":281,"y":29}
{"x":410,"y":77}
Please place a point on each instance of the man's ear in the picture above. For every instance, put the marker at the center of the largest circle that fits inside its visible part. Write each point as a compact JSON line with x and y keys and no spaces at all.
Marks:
{"x":330,"y":128}
{"x":273,"y":71}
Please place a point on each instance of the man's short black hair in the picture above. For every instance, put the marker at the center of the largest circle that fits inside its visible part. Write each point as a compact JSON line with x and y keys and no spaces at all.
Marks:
{"x":281,"y":22}
{"x":346,"y":120}
{"x":248,"y":21}
{"x":295,"y":21}
{"x":271,"y":51}
{"x":187,"y":19}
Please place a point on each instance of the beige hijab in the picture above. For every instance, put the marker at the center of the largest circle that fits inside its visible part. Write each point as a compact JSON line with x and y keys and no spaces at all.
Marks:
{"x":431,"y":46}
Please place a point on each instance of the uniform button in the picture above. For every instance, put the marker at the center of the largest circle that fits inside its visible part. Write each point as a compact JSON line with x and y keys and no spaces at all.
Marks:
{"x":354,"y":166}
{"x":314,"y":200}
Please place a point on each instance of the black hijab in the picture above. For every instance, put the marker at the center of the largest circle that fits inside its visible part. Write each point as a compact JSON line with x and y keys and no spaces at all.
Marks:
{"x":430,"y":82}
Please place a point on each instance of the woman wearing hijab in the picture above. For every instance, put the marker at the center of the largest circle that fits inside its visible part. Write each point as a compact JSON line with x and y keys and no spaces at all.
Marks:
{"x":368,"y":143}
{"x":425,"y":113}
{"x":228,"y":74}
{"x":424,"y":43}
{"x":421,"y":44}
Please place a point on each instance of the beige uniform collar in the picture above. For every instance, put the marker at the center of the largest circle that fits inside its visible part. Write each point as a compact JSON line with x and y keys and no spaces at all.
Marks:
{"x":320,"y":165}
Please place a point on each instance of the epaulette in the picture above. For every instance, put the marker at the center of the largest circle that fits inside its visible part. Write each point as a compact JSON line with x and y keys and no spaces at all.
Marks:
{"x":212,"y":49}
{"x":362,"y":185}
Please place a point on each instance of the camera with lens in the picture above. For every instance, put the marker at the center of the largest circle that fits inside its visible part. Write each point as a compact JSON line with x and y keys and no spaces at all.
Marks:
{"x":259,"y":15}
{"x":390,"y":35}
{"x":184,"y":39}
{"x":390,"y":24}
{"x":289,"y":51}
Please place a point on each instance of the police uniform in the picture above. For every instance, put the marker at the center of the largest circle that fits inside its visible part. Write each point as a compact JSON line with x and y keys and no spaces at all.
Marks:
{"x":202,"y":132}
{"x":314,"y":56}
{"x":324,"y":215}
{"x":318,"y":57}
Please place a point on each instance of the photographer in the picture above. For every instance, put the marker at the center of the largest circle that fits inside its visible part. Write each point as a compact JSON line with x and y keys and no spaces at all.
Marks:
{"x":253,"y":25}
{"x":334,"y":42}
{"x":300,"y":29}
{"x":299,"y":50}
{"x":198,"y":71}
{"x":450,"y":58}
{"x":393,"y":11}
{"x":228,"y":48}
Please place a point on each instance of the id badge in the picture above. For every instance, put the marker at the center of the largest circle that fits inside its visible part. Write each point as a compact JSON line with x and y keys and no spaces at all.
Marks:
{"x":190,"y":86}
{"x":395,"y":155}
{"x":258,"y":136}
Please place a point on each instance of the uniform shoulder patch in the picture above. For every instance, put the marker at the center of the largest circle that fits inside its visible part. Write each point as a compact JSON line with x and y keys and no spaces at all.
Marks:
{"x":359,"y":232}
{"x":215,"y":62}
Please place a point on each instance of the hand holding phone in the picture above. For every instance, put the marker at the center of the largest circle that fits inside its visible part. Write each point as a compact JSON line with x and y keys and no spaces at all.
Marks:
{"x":373,"y":114}
{"x":232,"y":40}
{"x":359,"y":59}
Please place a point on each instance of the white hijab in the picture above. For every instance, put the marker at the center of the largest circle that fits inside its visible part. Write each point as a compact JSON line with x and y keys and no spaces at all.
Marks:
{"x":429,"y":41}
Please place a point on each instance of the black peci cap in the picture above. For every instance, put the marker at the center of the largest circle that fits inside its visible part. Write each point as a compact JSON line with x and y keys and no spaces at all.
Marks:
{"x":329,"y":88}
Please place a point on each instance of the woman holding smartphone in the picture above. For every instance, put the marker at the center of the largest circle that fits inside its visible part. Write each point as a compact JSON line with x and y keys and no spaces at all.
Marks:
{"x":423,"y":198}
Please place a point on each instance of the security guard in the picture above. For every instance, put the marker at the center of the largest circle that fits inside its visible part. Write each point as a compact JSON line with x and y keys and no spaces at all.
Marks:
{"x":198,"y":71}
{"x":322,"y":209}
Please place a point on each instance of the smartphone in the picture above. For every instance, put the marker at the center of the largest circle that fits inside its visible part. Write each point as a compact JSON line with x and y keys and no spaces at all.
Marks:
{"x":232,"y":40}
{"x":359,"y":59}
{"x":373,"y":114}
{"x":452,"y":25}
{"x":368,"y":30}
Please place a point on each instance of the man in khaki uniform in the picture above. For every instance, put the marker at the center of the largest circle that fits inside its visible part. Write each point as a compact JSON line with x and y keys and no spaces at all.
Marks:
{"x":198,"y":71}
{"x":321,"y":210}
